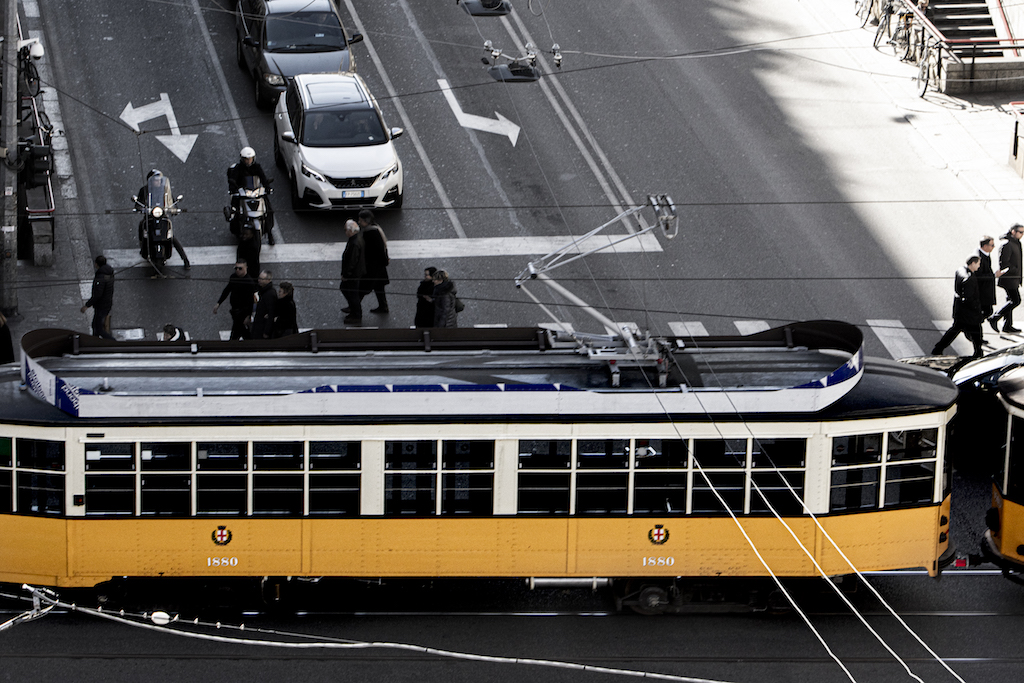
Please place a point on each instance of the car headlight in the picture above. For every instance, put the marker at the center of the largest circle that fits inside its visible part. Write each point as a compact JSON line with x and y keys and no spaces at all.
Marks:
{"x":390,"y":172}
{"x":273,"y":79}
{"x":157,"y":211}
{"x":307,"y":171}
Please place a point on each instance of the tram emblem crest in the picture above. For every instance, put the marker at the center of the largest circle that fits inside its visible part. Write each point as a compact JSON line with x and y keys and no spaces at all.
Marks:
{"x":658,"y":535}
{"x":222,"y":535}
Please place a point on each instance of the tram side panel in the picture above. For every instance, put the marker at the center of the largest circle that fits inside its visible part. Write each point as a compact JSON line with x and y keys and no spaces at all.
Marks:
{"x":33,"y":550}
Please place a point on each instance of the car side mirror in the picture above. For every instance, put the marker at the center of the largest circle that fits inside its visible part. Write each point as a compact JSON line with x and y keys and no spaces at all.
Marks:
{"x":250,"y":41}
{"x":355,"y":38}
{"x":397,"y":132}
{"x":288,"y":136}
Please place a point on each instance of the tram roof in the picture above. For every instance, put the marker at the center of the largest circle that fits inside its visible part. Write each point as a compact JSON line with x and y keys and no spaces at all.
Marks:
{"x":485,"y":374}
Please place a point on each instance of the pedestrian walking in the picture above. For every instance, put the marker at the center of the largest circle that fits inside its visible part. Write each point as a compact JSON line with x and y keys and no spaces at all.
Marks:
{"x":249,"y":246}
{"x":446,"y":301}
{"x":241,"y":288}
{"x":6,"y":343}
{"x":967,"y":315}
{"x":986,"y":278}
{"x":376,"y":254}
{"x":353,"y":269}
{"x":173,"y":333}
{"x":264,"y":307}
{"x":425,"y":299}
{"x":102,"y":299}
{"x":285,"y":319}
{"x":1010,"y":265}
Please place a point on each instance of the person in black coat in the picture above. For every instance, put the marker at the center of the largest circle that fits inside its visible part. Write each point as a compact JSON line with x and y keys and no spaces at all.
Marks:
{"x":285,"y":318}
{"x":967,"y":315}
{"x":986,"y":277}
{"x":102,"y":299}
{"x":353,"y":269}
{"x":241,"y":288}
{"x":445,"y":296}
{"x":425,"y":299}
{"x":249,"y":247}
{"x":266,"y":305}
{"x":1010,"y":264}
{"x":376,"y":254}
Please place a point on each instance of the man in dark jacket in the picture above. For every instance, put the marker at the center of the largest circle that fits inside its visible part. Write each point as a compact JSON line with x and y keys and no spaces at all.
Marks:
{"x":102,"y":299}
{"x":986,"y":278}
{"x":376,"y":254}
{"x":967,"y":314}
{"x":1010,"y":264}
{"x":241,"y":288}
{"x":266,"y":304}
{"x":248,"y":250}
{"x":353,"y":270}
{"x":285,"y":318}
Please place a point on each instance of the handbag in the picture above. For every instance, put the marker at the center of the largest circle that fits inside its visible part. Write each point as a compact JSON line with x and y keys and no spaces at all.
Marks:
{"x":459,"y":306}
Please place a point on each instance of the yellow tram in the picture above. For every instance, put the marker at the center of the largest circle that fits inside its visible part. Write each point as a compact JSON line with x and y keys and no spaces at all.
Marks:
{"x":469,"y":453}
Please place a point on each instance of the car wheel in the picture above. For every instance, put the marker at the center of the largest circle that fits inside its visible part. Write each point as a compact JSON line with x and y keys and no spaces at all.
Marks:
{"x":397,"y":204}
{"x":297,"y":203}
{"x":239,"y":55}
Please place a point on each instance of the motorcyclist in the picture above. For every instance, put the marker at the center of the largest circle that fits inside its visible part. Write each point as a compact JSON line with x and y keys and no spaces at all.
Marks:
{"x":237,"y":173}
{"x":143,"y":196}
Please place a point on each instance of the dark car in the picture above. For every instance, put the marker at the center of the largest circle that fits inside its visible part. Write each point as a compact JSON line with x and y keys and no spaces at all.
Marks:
{"x":277,"y":39}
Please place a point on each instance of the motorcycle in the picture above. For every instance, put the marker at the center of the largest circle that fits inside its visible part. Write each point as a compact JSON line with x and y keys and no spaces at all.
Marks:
{"x":249,"y":209}
{"x":156,"y":235}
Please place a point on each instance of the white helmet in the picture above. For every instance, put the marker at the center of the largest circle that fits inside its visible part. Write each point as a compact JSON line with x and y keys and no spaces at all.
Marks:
{"x":247,"y":153}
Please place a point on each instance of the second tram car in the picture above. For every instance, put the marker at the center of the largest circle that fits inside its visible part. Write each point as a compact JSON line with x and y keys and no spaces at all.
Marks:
{"x":470,"y":453}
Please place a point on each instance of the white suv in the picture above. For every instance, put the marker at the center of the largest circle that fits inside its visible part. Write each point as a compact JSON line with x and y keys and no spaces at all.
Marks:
{"x":330,"y":136}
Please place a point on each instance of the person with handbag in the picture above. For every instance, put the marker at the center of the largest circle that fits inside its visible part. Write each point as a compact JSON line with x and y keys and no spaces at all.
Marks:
{"x":446,"y":301}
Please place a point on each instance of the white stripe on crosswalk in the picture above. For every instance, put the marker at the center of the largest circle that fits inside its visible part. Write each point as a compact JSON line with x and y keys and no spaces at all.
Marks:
{"x":397,"y":249}
{"x":688,"y":329}
{"x":960,"y":345}
{"x":896,"y":339}
{"x":751,"y":326}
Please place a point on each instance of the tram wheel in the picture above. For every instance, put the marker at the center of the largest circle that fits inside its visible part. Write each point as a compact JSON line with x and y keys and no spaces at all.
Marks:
{"x":650,"y":601}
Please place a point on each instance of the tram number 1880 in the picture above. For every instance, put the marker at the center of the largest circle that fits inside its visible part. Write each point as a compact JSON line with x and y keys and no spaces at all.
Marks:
{"x":222,"y":562}
{"x":659,"y":561}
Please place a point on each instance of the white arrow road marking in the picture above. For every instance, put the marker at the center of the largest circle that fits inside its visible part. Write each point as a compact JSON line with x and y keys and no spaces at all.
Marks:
{"x":501,"y":125}
{"x":180,"y":145}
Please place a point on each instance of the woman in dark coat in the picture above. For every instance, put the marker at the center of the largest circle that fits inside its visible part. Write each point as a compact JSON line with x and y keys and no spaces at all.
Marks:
{"x":425,"y":300}
{"x":444,"y":297}
{"x":285,"y":322}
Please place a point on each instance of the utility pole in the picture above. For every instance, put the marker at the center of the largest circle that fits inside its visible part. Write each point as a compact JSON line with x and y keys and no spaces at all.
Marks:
{"x":9,"y":253}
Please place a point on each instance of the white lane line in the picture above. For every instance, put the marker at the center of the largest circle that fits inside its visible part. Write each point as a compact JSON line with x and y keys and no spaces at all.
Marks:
{"x":215,"y":63}
{"x":960,"y":345}
{"x":751,"y":326}
{"x":397,"y":249}
{"x":688,"y":329}
{"x":410,"y":132}
{"x":896,"y":339}
{"x":31,"y":8}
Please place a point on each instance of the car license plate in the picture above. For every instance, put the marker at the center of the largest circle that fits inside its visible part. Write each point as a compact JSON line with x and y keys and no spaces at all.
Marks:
{"x":352,"y":194}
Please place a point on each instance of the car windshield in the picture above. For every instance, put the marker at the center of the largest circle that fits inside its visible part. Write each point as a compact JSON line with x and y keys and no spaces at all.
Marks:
{"x":304,"y":32}
{"x":346,"y":128}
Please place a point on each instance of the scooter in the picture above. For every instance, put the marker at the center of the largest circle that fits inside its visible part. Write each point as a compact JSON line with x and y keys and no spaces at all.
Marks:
{"x":156,"y":235}
{"x":249,"y":209}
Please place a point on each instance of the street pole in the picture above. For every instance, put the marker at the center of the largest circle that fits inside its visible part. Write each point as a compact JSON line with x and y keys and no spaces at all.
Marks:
{"x":9,"y":255}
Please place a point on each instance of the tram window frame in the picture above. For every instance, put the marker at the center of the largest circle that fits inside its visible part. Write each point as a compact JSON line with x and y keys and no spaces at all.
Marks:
{"x":912,"y":444}
{"x":271,"y":456}
{"x":223,"y":459}
{"x":901,"y":491}
{"x":613,"y":456}
{"x":6,"y":474}
{"x":160,"y":456}
{"x":347,"y":458}
{"x":646,"y":485}
{"x":52,"y":484}
{"x":556,"y":456}
{"x":110,"y":457}
{"x":841,"y":482}
{"x":602,"y":493}
{"x":278,"y":494}
{"x":334,"y":488}
{"x":109,"y":495}
{"x":406,"y":493}
{"x":227,"y":488}
{"x":861,"y":453}
{"x":157,"y":499}
{"x":27,"y":455}
{"x":467,"y":454}
{"x":777,"y":493}
{"x":411,"y":459}
{"x":467,"y":493}
{"x":704,"y":502}
{"x":6,"y":452}
{"x":706,"y":452}
{"x":553,"y":489}
{"x":661,"y":454}
{"x":782,"y":453}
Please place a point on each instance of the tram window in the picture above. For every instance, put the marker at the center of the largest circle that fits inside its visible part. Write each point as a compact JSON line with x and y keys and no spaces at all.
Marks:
{"x":166,"y":494}
{"x":779,"y":452}
{"x":712,"y":453}
{"x":334,"y":494}
{"x":651,"y":453}
{"x":468,"y":455}
{"x":913,"y":483}
{"x":5,"y":452}
{"x":222,"y":455}
{"x":166,"y":457}
{"x":659,"y":493}
{"x":544,"y":494}
{"x":109,"y":456}
{"x":859,"y":449}
{"x":220,"y":494}
{"x":467,"y":494}
{"x":6,"y":492}
{"x":410,"y":494}
{"x":410,"y":455}
{"x":334,"y":455}
{"x":603,"y":454}
{"x":36,"y":454}
{"x":40,"y":494}
{"x":545,"y":455}
{"x":916,"y":444}
{"x":778,"y":494}
{"x":855,"y":489}
{"x":728,"y":484}
{"x":600,"y":493}
{"x":110,"y":494}
{"x":277,"y":494}
{"x":277,"y":455}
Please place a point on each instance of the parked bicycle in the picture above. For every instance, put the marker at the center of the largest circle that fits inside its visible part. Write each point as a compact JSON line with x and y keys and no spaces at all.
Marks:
{"x":30,"y":51}
{"x":862,"y":8}
{"x":930,"y":67}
